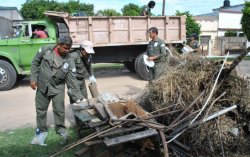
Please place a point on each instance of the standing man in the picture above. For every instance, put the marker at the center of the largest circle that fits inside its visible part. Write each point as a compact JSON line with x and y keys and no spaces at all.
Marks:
{"x":194,"y":44}
{"x":83,"y":62}
{"x":51,"y":68}
{"x":156,"y":52}
{"x":146,"y":11}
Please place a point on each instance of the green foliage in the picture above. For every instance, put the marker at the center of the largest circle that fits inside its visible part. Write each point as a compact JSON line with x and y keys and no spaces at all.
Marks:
{"x":74,"y":6}
{"x":230,"y":34}
{"x":131,"y":10}
{"x":191,"y":25}
{"x":245,"y":19}
{"x":108,"y":12}
{"x":34,"y":9}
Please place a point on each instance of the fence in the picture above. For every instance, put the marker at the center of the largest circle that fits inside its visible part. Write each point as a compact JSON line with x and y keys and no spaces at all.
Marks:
{"x":221,"y":45}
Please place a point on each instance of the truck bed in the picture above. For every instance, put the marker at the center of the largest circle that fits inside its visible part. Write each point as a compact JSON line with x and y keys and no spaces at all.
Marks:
{"x":120,"y":30}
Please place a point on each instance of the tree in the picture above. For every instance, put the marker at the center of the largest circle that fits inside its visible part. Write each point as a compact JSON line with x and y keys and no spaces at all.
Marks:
{"x":75,"y":6}
{"x":131,"y":10}
{"x":34,"y":9}
{"x":108,"y":12}
{"x":191,"y":25}
{"x":245,"y":20}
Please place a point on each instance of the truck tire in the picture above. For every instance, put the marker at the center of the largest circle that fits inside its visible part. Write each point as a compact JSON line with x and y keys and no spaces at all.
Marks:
{"x":141,"y":69}
{"x":8,"y":75}
{"x":130,"y":66}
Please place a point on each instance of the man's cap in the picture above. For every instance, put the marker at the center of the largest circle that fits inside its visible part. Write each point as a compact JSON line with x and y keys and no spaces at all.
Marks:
{"x":88,"y":46}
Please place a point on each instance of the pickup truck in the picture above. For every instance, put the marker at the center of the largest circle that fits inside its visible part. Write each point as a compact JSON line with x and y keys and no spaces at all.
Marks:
{"x":116,"y":39}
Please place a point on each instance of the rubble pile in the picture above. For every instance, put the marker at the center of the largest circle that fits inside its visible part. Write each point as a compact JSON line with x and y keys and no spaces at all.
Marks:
{"x":190,"y":91}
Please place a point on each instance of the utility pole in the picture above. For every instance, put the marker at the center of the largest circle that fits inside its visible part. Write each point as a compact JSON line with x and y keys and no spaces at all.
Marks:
{"x":163,"y":8}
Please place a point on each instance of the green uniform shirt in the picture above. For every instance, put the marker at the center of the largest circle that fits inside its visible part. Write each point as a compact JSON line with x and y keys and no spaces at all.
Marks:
{"x":145,"y":11}
{"x":81,"y":68}
{"x":194,"y":44}
{"x":51,"y":72}
{"x":157,"y":48}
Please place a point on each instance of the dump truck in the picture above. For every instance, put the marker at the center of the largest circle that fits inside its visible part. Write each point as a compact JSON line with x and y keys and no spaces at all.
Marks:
{"x":116,"y":39}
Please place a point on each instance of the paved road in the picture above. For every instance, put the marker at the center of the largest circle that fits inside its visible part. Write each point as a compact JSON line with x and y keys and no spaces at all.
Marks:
{"x":244,"y":68}
{"x":17,"y":106}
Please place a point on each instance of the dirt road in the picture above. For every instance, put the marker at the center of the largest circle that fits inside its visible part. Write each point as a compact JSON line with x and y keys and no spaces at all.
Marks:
{"x":17,"y":106}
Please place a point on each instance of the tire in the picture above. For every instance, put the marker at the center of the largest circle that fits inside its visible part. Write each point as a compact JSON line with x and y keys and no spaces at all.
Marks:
{"x":130,"y":66}
{"x":141,"y":69}
{"x":8,"y":75}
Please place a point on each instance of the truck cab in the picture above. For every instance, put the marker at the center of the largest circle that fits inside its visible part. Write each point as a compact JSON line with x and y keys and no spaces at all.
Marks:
{"x":17,"y":51}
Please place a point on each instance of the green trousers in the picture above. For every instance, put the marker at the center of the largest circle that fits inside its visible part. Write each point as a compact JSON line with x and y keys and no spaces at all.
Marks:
{"x":42,"y":104}
{"x":156,"y":71}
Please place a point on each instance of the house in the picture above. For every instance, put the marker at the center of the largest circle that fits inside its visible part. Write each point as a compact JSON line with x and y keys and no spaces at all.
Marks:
{"x":10,"y":16}
{"x":10,"y":13}
{"x":215,"y":24}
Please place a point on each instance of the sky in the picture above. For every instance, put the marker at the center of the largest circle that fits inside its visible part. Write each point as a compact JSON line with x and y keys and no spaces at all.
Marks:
{"x":195,"y":7}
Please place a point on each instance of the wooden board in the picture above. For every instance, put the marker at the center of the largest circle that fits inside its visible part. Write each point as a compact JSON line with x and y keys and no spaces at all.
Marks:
{"x":100,"y":110}
{"x":130,"y":137}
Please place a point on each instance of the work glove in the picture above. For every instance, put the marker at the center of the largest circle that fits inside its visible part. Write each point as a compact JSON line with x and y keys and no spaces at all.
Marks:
{"x":81,"y":100}
{"x":92,"y":78}
{"x":81,"y":103}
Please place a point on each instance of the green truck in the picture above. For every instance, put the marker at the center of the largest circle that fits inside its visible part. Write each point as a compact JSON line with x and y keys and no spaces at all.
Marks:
{"x":16,"y":53}
{"x":120,"y":39}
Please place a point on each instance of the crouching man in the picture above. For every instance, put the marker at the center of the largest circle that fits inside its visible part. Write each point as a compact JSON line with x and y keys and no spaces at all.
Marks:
{"x":83,"y":62}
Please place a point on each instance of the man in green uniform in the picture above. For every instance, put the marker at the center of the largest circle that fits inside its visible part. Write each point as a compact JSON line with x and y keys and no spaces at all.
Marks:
{"x":194,"y":44}
{"x":83,"y":62}
{"x":51,"y":68}
{"x":156,"y":52}
{"x":146,"y":11}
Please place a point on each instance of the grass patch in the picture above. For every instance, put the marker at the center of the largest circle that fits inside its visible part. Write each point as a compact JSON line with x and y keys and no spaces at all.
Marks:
{"x":17,"y":143}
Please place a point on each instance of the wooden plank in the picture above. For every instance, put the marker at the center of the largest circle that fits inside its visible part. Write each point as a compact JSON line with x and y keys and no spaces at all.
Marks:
{"x":121,"y":130}
{"x":95,"y":142}
{"x":100,"y":110}
{"x":82,"y":151}
{"x":96,"y":124}
{"x":104,"y":154}
{"x":84,"y":116}
{"x":93,"y":101}
{"x":130,"y":137}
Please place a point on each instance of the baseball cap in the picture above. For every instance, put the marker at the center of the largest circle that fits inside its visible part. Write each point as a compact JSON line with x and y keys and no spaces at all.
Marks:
{"x":88,"y":46}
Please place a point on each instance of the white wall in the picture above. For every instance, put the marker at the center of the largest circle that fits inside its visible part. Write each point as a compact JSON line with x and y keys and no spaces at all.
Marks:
{"x":227,"y":21}
{"x":209,"y":28}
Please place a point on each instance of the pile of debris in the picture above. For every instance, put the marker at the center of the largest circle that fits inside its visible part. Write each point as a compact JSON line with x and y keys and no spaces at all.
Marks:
{"x":204,"y":104}
{"x":198,"y":107}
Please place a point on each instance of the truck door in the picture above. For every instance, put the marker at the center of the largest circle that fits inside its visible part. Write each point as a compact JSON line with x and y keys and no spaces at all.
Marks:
{"x":29,"y":44}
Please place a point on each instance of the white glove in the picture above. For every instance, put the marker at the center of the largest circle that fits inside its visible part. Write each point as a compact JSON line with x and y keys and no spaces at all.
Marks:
{"x":83,"y":100}
{"x":92,"y":78}
{"x":81,"y":103}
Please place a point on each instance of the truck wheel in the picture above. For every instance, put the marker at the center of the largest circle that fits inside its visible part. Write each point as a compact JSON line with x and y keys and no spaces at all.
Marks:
{"x":141,"y":69}
{"x":7,"y":75}
{"x":130,"y":66}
